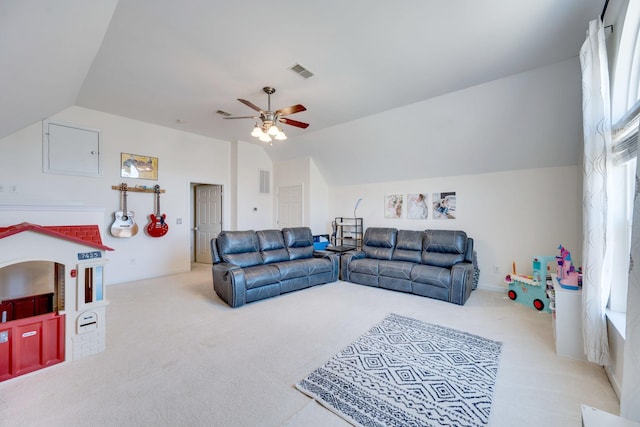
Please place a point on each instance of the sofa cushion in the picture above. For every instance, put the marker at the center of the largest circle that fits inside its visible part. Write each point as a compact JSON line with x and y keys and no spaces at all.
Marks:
{"x":378,"y":242}
{"x":431,"y":275}
{"x":239,"y":247}
{"x":408,"y":246}
{"x":272,"y":246}
{"x":445,"y":241}
{"x":303,"y":267}
{"x":261,"y":275}
{"x":364,"y":266}
{"x":444,"y":248}
{"x":397,"y":269}
{"x":299,"y":242}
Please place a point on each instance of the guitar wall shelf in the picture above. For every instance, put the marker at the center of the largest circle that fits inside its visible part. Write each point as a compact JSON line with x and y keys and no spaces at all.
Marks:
{"x":137,"y":189}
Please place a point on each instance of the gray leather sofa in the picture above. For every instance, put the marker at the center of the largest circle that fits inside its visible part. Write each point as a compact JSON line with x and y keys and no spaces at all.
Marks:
{"x":431,"y":263}
{"x":253,"y":265}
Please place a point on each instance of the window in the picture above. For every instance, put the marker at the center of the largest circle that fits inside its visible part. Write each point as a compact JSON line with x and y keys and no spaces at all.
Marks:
{"x":625,"y":112}
{"x":90,"y":285}
{"x":622,"y":200}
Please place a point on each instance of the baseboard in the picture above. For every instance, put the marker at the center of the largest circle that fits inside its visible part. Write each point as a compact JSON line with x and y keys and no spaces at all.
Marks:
{"x":492,"y":288}
{"x":613,"y":381}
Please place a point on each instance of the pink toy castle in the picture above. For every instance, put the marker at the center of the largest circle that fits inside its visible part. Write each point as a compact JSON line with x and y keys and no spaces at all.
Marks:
{"x":568,"y":276}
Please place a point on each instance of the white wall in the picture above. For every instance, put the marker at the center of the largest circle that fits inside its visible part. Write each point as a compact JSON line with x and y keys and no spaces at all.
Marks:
{"x":525,"y":121}
{"x":254,"y":211}
{"x":183,"y":158}
{"x":319,"y":218}
{"x":512,"y":216}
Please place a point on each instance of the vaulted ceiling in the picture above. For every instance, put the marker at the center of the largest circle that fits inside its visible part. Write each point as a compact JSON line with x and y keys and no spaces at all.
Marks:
{"x":176,"y":63}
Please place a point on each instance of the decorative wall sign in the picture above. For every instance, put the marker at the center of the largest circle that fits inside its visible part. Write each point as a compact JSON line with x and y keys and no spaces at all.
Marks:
{"x":444,"y":205}
{"x":89,"y":255}
{"x":136,"y":166}
{"x":393,"y":206}
{"x":417,"y":206}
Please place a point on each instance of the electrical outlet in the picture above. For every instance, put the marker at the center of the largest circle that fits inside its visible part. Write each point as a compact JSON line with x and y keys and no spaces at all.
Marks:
{"x":1,"y":188}
{"x":496,"y":269}
{"x":13,"y":188}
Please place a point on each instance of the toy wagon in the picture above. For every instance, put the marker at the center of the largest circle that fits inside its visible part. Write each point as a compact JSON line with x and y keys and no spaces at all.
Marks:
{"x":532,"y":290}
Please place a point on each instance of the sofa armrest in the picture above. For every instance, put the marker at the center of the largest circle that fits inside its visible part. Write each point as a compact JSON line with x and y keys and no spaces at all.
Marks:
{"x":333,"y":258}
{"x":321,"y":253}
{"x":215,"y":256}
{"x":461,"y":282}
{"x":346,"y":259}
{"x":468,"y":253}
{"x":229,"y":283}
{"x":348,"y":256}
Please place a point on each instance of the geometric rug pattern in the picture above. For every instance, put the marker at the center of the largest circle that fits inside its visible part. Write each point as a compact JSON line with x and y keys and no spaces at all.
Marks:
{"x":404,"y":372}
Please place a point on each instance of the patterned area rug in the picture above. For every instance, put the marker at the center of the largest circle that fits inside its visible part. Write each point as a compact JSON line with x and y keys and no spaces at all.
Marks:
{"x":404,"y":372}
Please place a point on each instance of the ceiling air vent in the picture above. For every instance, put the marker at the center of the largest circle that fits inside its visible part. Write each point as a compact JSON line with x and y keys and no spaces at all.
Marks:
{"x":301,"y":71}
{"x":223,"y":113}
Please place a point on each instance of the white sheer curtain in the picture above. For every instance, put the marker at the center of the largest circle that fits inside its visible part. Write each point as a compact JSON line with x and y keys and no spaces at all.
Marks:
{"x":596,"y":252}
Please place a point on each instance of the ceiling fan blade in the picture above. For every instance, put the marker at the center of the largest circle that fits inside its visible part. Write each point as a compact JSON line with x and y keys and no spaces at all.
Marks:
{"x":250,"y":105}
{"x":293,"y":123}
{"x":291,"y":110}
{"x":242,"y":117}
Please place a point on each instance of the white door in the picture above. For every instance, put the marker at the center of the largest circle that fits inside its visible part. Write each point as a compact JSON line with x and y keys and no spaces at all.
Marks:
{"x":208,"y":219}
{"x":290,"y":206}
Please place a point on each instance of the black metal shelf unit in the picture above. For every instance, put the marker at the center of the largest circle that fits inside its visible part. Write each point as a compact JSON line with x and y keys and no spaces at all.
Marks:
{"x":348,"y":232}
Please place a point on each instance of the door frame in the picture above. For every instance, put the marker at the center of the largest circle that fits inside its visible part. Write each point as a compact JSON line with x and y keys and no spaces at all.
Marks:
{"x":193,"y":198}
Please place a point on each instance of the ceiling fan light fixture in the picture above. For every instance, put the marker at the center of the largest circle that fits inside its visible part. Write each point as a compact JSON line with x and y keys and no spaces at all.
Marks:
{"x":280,"y":136}
{"x":268,"y":128}
{"x":264,"y":137}
{"x":273,"y":130}
{"x":256,"y":132}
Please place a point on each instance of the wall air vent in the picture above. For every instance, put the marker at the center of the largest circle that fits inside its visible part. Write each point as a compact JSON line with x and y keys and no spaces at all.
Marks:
{"x":223,"y":113}
{"x":265,"y":182}
{"x":301,"y":71}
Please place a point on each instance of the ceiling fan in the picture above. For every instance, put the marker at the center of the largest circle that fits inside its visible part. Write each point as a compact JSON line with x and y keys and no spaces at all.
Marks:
{"x":270,"y":119}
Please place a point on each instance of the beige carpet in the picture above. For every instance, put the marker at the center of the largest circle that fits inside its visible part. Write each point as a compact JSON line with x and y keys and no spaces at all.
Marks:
{"x":178,"y":356}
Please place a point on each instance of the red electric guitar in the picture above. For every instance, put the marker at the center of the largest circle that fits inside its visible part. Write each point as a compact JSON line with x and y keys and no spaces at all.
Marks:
{"x":158,"y":226}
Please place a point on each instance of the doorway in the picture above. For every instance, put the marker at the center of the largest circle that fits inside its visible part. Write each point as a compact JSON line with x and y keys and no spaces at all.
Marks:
{"x":207,"y":220}
{"x":290,"y":206}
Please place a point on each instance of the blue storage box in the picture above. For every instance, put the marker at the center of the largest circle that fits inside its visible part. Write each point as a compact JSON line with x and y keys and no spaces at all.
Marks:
{"x":320,"y":242}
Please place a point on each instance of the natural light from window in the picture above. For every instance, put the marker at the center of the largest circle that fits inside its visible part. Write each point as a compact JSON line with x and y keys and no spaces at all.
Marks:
{"x":625,"y":96}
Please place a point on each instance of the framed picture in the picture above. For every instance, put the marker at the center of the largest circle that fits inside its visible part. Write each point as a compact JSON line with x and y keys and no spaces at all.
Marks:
{"x":136,"y":166}
{"x":393,"y":206}
{"x":444,"y":205}
{"x":417,"y":207}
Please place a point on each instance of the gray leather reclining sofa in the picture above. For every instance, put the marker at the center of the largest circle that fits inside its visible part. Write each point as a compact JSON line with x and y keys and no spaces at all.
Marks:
{"x":431,"y":263}
{"x":253,"y":265}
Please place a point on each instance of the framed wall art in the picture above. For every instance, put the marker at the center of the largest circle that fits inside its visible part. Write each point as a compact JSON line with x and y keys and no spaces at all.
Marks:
{"x":417,"y":206}
{"x":444,"y":205}
{"x":393,"y":206}
{"x":136,"y":166}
